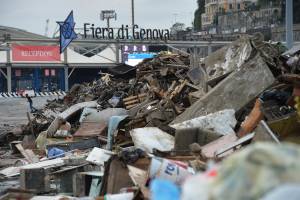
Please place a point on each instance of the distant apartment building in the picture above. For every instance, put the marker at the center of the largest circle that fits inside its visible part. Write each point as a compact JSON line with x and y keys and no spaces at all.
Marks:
{"x":248,"y":20}
{"x":214,"y":8}
{"x":234,"y":5}
{"x":211,"y":8}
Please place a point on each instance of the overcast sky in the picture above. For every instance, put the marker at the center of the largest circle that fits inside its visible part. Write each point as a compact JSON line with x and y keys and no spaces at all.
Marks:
{"x":31,"y":15}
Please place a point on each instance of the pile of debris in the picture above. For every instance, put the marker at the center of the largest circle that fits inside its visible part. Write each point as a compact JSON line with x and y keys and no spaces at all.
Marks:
{"x":169,"y":130}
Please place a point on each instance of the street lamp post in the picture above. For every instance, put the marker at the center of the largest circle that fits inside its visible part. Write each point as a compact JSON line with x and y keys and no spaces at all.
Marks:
{"x":132,"y":12}
{"x":108,"y":15}
{"x":289,"y":23}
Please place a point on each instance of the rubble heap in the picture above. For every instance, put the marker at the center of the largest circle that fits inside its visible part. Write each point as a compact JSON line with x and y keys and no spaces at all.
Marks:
{"x":150,"y":132}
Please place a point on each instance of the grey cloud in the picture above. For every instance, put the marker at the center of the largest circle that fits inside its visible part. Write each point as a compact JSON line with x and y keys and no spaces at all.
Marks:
{"x":31,"y":15}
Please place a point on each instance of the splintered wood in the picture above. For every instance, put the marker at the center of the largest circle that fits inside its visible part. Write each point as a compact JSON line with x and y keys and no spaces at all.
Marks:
{"x":132,"y":101}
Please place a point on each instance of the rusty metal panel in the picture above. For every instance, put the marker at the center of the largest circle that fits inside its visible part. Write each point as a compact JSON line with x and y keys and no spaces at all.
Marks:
{"x":89,"y":129}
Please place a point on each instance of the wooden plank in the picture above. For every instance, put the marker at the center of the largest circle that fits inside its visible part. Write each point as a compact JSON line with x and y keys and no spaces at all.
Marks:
{"x":178,"y":89}
{"x":28,"y":154}
{"x":135,"y":97}
{"x":131,"y":106}
{"x":234,"y":145}
{"x":48,"y":163}
{"x":208,"y":150}
{"x":132,"y":102}
{"x":118,"y":177}
{"x":67,"y":169}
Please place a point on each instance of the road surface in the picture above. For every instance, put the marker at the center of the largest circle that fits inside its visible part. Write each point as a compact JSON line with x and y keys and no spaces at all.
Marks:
{"x":13,"y":110}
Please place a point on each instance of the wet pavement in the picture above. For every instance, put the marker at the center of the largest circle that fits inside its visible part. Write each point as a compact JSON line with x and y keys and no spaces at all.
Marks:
{"x":13,"y":110}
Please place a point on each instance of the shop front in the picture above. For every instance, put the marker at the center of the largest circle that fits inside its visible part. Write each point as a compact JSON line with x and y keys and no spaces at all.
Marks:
{"x":43,"y":69}
{"x":32,"y":68}
{"x":39,"y":79}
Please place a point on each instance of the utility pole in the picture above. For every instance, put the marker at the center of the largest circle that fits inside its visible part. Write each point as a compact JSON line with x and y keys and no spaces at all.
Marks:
{"x":175,"y":17}
{"x":132,"y":12}
{"x":289,"y":23}
{"x":108,"y":25}
{"x":47,"y":28}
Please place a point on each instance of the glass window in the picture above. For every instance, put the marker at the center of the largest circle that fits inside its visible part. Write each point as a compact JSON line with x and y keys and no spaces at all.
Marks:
{"x":53,"y":72}
{"x":47,"y":73}
{"x":18,"y":72}
{"x":24,"y":85}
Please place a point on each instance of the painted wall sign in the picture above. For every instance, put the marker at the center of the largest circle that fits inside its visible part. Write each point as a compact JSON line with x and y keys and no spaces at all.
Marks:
{"x":35,"y":53}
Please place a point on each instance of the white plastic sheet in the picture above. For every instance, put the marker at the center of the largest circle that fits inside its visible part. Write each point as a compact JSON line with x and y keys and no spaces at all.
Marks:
{"x":149,"y":138}
{"x":99,"y":156}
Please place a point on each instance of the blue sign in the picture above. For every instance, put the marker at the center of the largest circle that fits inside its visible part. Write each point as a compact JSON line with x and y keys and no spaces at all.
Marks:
{"x":140,"y":55}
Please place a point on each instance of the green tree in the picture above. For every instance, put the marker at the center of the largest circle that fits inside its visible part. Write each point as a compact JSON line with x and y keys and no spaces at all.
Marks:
{"x":268,"y":3}
{"x":199,"y":11}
